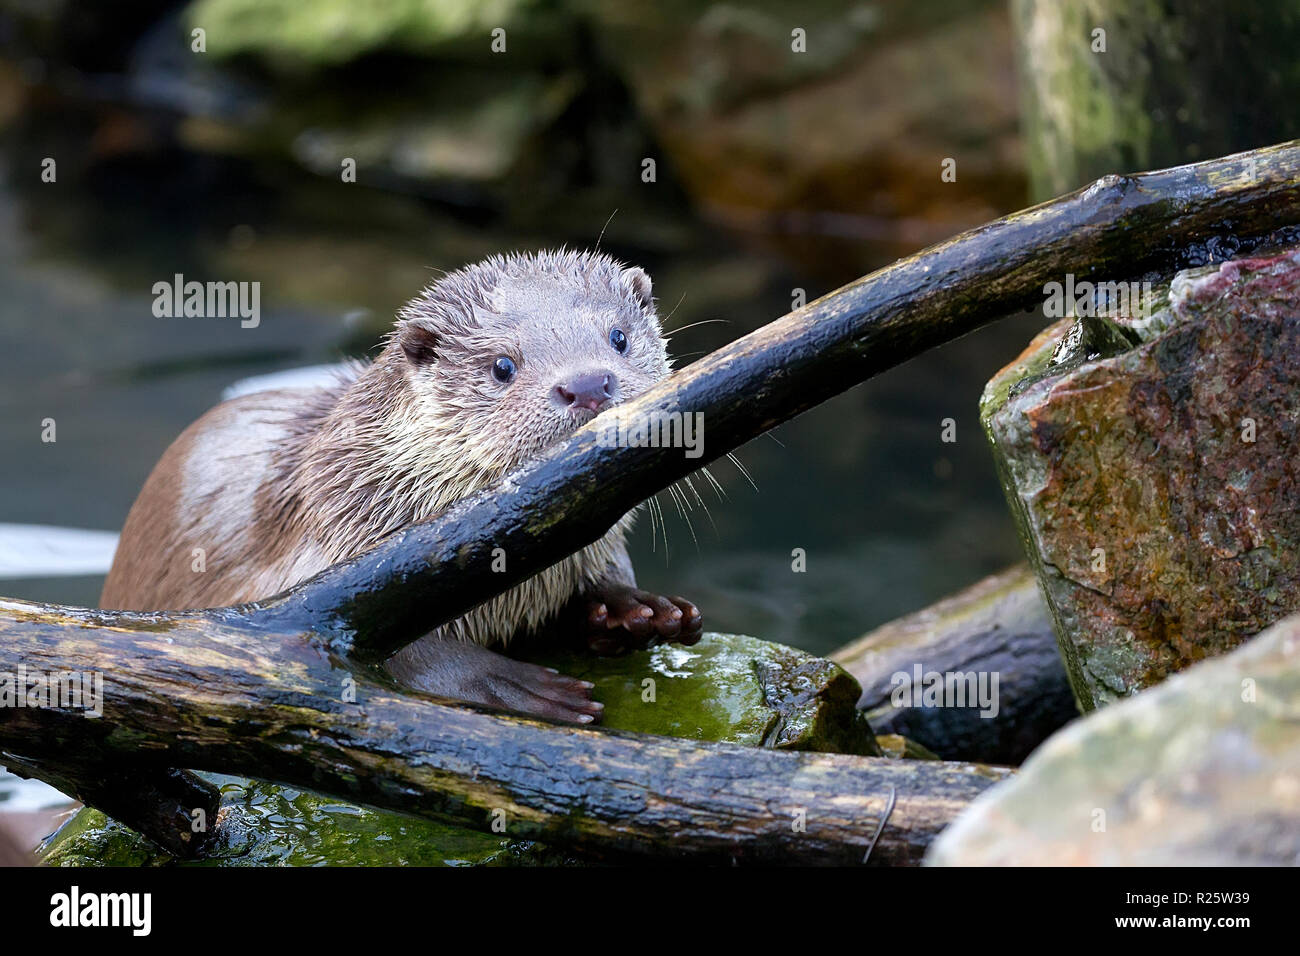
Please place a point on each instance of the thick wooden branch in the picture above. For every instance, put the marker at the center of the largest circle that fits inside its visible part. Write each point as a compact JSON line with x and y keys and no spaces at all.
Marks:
{"x":1114,"y":229}
{"x":196,"y":690}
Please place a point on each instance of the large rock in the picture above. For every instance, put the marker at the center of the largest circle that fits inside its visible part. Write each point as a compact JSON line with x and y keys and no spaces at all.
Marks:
{"x":999,"y":625}
{"x":726,"y":688}
{"x":1202,"y":770}
{"x":1156,"y":485}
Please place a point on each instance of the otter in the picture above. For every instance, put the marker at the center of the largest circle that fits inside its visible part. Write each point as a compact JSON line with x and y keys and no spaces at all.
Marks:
{"x":485,"y":368}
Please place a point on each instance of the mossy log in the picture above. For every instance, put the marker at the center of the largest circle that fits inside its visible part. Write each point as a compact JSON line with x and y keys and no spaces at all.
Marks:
{"x":262,"y":689}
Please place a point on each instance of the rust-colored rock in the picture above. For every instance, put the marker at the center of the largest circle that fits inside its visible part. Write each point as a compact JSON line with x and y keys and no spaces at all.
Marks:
{"x":1157,"y":489}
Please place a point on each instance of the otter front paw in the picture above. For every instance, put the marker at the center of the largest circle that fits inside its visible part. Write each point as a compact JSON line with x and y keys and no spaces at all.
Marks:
{"x":622,"y":618}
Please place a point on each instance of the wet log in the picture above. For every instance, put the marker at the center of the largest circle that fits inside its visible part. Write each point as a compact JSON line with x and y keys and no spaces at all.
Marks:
{"x":997,"y":626}
{"x":212,"y":691}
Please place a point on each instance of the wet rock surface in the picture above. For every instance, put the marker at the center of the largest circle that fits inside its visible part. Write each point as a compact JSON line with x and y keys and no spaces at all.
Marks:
{"x":726,"y":688}
{"x":1202,"y":770}
{"x":1156,"y":490}
{"x":999,"y":625}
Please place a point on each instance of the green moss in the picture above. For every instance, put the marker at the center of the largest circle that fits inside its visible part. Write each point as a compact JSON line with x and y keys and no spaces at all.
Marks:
{"x":726,"y":688}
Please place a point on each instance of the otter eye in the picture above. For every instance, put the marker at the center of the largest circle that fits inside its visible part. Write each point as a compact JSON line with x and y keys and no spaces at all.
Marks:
{"x":618,"y":340}
{"x":503,"y":370}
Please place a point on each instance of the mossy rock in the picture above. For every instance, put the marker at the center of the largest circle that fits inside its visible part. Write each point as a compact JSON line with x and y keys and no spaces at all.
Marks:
{"x":1154,"y":484}
{"x":726,"y":688}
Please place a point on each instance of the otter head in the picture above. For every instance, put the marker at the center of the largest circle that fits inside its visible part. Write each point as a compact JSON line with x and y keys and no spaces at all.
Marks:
{"x":512,"y":354}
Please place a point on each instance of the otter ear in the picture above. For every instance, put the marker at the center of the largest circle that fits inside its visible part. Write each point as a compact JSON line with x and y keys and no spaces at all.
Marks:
{"x":419,"y":342}
{"x":638,"y":283}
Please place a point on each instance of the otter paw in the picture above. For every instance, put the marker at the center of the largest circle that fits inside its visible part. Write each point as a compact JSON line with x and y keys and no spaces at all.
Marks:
{"x":541,"y":692}
{"x":621,"y":618}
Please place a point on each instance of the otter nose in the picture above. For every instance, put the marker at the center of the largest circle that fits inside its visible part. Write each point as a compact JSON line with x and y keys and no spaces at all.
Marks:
{"x":588,"y":390}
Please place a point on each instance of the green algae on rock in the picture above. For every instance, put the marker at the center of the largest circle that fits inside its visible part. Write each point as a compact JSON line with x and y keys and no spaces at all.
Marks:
{"x":1156,"y":489}
{"x":1203,"y":770}
{"x":727,"y":688}
{"x":1137,"y":84}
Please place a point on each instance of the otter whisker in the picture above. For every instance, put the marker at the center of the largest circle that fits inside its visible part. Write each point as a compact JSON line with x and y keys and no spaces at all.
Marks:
{"x":663,"y":528}
{"x":652,"y":505}
{"x":675,"y":308}
{"x":663,"y":525}
{"x":650,"y":508}
{"x":668,"y":335}
{"x":604,"y":227}
{"x":676,"y":497}
{"x":707,"y":513}
{"x":721,"y":492}
{"x":683,"y":509}
{"x":731,"y":457}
